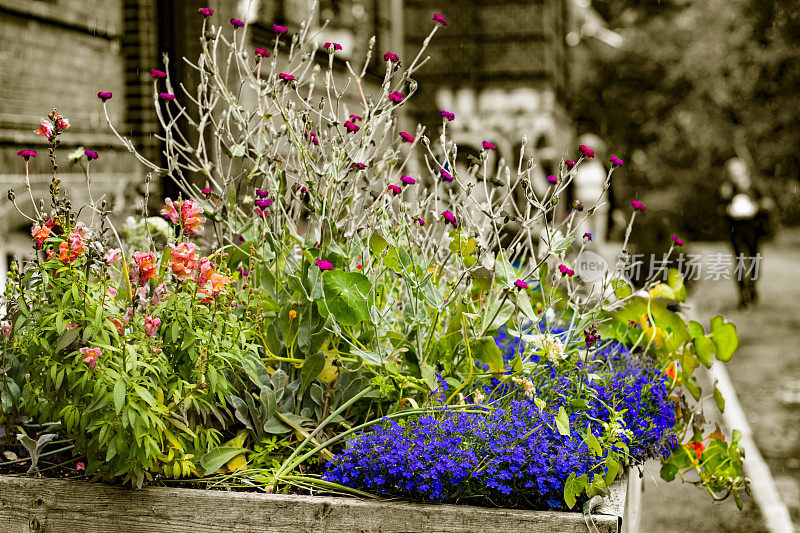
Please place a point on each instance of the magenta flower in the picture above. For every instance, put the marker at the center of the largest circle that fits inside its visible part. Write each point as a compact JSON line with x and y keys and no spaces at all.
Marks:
{"x":206,"y":191}
{"x":26,"y":154}
{"x":332,"y":47}
{"x":396,"y":96}
{"x":586,"y":151}
{"x":360,"y":166}
{"x":408,"y":180}
{"x":236,"y":23}
{"x":263,"y":203}
{"x":206,"y":11}
{"x":488,"y":146}
{"x":447,"y":114}
{"x":91,"y":154}
{"x":677,"y":241}
{"x":566,"y":271}
{"x":261,"y":212}
{"x":437,"y":18}
{"x":104,"y":95}
{"x":520,"y":284}
{"x":445,"y":175}
{"x":590,"y":336}
{"x":407,"y":137}
{"x":312,"y":137}
{"x":167,"y":96}
{"x":638,"y":206}
{"x":394,"y":189}
{"x":355,"y":118}
{"x":324,"y":265}
{"x":261,"y":193}
{"x":570,"y":164}
{"x":155,"y":73}
{"x":552,"y":179}
{"x":280,"y":30}
{"x":260,"y":52}
{"x":587,"y":237}
{"x":615,"y":160}
{"x":91,"y":355}
{"x":391,"y":56}
{"x":450,"y":218}
{"x":351,"y":127}
{"x":577,"y":206}
{"x":418,"y":220}
{"x":287,"y":77}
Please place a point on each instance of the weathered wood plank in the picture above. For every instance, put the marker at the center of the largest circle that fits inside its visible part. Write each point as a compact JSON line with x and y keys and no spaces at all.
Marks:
{"x":57,"y":506}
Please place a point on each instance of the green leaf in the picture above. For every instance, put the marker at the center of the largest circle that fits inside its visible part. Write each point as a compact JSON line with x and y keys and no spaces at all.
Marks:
{"x":725,"y":338}
{"x":218,"y":457}
{"x":719,"y":400}
{"x":675,"y":281}
{"x":369,"y":357}
{"x":498,"y":318}
{"x":668,"y":471}
{"x":274,"y":426}
{"x":570,"y":495}
{"x":503,"y":271}
{"x":621,"y":288}
{"x":268,"y":403}
{"x":66,"y":339}
{"x":119,"y":395}
{"x":311,"y":369}
{"x":524,"y":305}
{"x":486,"y":351}
{"x":346,"y":296}
{"x":377,"y":244}
{"x":562,"y":422}
{"x":696,"y":329}
{"x":705,"y":350}
{"x":594,"y":444}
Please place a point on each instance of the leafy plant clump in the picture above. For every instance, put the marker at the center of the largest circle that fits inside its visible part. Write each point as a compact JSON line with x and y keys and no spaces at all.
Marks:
{"x":328,"y":286}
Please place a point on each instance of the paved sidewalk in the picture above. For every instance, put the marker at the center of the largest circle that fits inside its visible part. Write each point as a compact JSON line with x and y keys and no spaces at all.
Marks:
{"x":766,"y":374}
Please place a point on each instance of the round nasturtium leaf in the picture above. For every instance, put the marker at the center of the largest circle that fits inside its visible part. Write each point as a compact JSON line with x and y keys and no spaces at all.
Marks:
{"x":346,"y":296}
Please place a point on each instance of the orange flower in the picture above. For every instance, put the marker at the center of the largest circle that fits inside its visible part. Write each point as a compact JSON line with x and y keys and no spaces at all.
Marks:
{"x":70,"y":250}
{"x":183,"y":260}
{"x":698,"y":448}
{"x":40,"y":233}
{"x":216,"y":283}
{"x":188,"y":213}
{"x":292,"y":314}
{"x":145,"y":267}
{"x":671,"y":371}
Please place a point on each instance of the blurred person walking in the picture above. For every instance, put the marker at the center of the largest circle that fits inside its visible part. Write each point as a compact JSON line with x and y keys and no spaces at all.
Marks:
{"x":748,"y":211}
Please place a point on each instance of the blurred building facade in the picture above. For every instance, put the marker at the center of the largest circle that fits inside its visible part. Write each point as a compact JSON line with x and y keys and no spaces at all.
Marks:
{"x":500,"y":66}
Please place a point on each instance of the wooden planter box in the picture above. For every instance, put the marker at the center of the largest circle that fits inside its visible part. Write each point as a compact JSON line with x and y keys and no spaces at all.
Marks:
{"x":43,"y":505}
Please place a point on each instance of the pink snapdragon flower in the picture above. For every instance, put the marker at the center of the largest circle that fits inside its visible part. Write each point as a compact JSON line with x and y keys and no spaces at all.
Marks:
{"x":46,"y":129}
{"x":183,"y":260}
{"x":112,"y":256}
{"x":151,"y":325}
{"x":90,"y":356}
{"x":6,"y":327}
{"x":187,"y":212}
